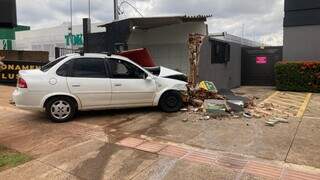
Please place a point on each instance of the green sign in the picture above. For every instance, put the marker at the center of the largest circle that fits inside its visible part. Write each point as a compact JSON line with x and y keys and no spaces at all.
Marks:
{"x":75,"y":40}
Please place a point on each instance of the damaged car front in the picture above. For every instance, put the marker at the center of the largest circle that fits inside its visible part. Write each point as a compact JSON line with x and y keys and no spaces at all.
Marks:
{"x":169,"y":80}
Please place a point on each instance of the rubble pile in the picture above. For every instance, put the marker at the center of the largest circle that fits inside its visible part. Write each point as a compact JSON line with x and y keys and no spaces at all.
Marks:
{"x":201,"y":94}
{"x":265,"y":110}
{"x":205,"y":100}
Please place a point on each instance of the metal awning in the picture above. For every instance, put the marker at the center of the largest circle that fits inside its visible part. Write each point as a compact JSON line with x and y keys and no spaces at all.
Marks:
{"x":154,"y":22}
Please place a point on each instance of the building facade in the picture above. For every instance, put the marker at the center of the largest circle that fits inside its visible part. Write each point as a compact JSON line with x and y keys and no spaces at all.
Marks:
{"x":165,"y":37}
{"x":8,"y":24}
{"x":221,"y":59}
{"x":47,"y":39}
{"x":301,"y":30}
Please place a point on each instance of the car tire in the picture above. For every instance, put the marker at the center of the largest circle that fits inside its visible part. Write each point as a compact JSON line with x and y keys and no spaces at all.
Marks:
{"x":171,"y":102}
{"x":60,"y":109}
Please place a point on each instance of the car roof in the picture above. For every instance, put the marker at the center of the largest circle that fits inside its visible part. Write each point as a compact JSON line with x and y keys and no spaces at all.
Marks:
{"x":97,"y":55}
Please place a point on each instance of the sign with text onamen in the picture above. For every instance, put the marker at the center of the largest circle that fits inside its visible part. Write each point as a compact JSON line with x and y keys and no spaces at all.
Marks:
{"x":9,"y":71}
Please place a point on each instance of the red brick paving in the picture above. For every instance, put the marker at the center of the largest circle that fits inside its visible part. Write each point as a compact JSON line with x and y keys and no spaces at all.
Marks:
{"x":232,"y":163}
{"x":298,"y":175}
{"x":236,"y":163}
{"x":152,"y":147}
{"x":173,"y":151}
{"x":262,"y":169}
{"x":201,"y":157}
{"x":130,"y":142}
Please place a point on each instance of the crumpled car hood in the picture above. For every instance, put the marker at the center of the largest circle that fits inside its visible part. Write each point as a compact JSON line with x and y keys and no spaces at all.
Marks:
{"x":165,"y":72}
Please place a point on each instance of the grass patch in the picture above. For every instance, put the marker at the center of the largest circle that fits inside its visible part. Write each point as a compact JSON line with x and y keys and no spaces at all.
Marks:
{"x":10,"y":158}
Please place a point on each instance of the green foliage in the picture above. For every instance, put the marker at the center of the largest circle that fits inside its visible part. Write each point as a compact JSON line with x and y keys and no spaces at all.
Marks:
{"x":298,"y":76}
{"x":10,"y":158}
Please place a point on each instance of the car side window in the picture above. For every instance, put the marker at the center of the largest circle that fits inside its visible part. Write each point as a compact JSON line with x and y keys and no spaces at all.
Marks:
{"x":64,"y":69}
{"x":89,"y":68}
{"x":124,"y":70}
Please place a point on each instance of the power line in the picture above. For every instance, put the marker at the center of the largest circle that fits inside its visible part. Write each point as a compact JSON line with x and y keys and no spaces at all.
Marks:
{"x":132,"y":6}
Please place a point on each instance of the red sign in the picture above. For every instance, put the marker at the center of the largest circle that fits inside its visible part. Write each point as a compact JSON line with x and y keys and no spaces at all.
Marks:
{"x":261,"y":59}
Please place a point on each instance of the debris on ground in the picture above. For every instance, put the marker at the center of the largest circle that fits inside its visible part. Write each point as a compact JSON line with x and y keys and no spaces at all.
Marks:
{"x":196,"y":102}
{"x":204,"y":99}
{"x":215,"y":107}
{"x":273,"y":121}
{"x":250,"y":102}
{"x":205,"y":103}
{"x":208,"y":86}
{"x":202,"y":94}
{"x":265,"y":110}
{"x":236,"y":105}
{"x":205,"y":118}
{"x":184,"y":109}
{"x":247,"y":115}
{"x":185,"y":120}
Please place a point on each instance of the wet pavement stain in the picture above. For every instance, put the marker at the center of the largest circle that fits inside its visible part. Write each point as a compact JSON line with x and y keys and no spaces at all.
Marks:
{"x":132,"y":163}
{"x":93,"y":168}
{"x":155,"y":129}
{"x":152,"y":126}
{"x":123,"y":121}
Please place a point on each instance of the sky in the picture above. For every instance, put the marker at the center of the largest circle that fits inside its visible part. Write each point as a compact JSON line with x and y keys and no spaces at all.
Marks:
{"x":259,"y":20}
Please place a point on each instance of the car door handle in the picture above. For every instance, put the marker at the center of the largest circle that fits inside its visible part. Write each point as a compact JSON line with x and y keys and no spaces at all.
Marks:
{"x":117,"y":85}
{"x":76,"y":85}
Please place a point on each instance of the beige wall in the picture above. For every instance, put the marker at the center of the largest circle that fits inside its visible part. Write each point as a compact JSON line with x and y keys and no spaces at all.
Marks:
{"x":167,"y":45}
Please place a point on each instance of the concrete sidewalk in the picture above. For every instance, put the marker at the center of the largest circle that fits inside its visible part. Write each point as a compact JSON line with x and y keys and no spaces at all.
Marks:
{"x":86,"y":147}
{"x":94,"y":159}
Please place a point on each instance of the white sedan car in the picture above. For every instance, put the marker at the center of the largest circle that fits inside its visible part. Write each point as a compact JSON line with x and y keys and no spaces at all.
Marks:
{"x":94,"y":82}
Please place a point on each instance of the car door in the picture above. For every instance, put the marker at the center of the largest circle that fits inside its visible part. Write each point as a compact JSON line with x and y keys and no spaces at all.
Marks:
{"x":89,"y":81}
{"x":130,"y":87}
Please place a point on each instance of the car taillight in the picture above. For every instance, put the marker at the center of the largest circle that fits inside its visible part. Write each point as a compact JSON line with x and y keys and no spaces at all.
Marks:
{"x":22,"y":83}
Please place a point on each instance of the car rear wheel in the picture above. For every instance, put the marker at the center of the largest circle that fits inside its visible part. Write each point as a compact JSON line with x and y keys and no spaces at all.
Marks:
{"x":171,"y":102}
{"x":60,"y":109}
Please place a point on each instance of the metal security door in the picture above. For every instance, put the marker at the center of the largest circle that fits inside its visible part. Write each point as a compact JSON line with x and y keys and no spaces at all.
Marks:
{"x":258,"y":65}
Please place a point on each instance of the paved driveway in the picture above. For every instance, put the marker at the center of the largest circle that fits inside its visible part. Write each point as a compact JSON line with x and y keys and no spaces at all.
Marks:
{"x":89,"y":148}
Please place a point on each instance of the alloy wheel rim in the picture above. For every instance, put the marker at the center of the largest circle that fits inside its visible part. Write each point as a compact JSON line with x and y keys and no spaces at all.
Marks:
{"x":60,"y":109}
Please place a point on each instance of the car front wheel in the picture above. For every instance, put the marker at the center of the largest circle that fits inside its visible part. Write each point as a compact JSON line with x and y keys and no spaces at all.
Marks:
{"x":60,"y":109}
{"x":171,"y":102}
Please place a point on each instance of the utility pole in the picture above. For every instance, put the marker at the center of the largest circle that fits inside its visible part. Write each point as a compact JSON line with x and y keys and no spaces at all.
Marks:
{"x":115,"y":10}
{"x":89,"y":9}
{"x":71,"y":33}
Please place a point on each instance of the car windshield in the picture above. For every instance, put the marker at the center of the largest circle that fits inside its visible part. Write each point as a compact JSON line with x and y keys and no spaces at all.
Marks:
{"x":48,"y":66}
{"x":154,"y":70}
